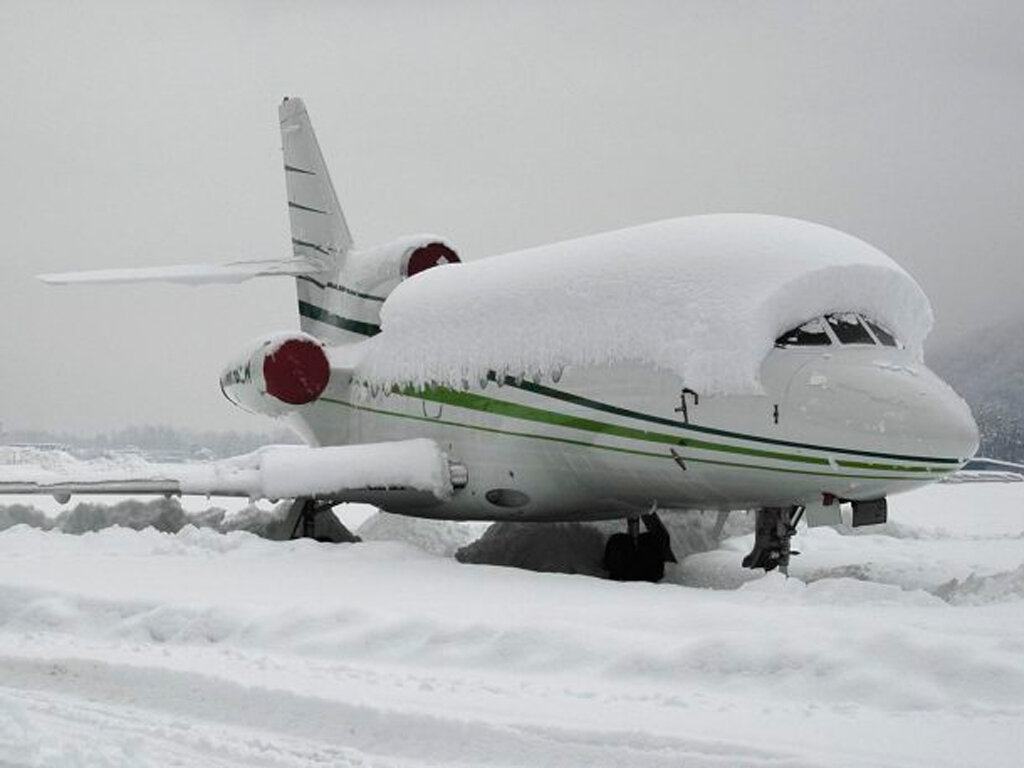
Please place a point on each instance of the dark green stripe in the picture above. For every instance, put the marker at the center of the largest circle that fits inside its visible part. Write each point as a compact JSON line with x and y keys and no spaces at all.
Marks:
{"x":892,"y":467}
{"x":567,"y":397}
{"x":492,"y":430}
{"x":555,"y":418}
{"x":808,"y":472}
{"x":321,"y":315}
{"x":305,"y":208}
{"x":293,"y":169}
{"x":314,"y":246}
{"x":342,"y":288}
{"x":529,"y":413}
{"x":615,"y":449}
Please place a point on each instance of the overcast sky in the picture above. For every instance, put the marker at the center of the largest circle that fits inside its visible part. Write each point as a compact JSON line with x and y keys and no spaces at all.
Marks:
{"x":140,"y":134}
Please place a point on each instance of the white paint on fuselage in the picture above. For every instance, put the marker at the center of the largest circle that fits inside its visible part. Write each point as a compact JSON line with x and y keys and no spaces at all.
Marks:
{"x":858,"y":422}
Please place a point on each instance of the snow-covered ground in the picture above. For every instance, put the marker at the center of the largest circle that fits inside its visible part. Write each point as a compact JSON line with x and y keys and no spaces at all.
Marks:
{"x":902,"y":645}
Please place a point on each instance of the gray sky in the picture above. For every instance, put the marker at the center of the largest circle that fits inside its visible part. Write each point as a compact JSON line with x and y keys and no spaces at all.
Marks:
{"x":139,"y":134}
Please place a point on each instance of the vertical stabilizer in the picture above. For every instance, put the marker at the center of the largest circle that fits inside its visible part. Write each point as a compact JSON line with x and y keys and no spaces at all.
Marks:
{"x":318,"y":225}
{"x":319,"y":231}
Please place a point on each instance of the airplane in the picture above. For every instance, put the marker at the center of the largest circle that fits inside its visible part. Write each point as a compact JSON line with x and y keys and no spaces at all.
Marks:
{"x":717,"y":362}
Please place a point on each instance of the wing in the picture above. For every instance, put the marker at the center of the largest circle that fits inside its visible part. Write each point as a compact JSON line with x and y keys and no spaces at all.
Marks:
{"x":406,"y":471}
{"x":982,"y":469}
{"x":190,"y":274}
{"x":983,"y":476}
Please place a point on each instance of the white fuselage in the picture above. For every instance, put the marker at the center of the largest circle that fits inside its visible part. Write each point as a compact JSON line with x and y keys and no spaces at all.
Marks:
{"x":852,"y":421}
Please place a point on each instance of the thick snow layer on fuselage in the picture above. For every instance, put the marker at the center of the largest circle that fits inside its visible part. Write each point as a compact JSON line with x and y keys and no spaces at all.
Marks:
{"x":703,"y":297}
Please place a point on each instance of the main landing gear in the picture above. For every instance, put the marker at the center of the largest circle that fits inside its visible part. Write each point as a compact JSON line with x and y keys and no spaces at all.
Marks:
{"x":635,"y":556}
{"x":773,"y":529}
{"x":312,"y":519}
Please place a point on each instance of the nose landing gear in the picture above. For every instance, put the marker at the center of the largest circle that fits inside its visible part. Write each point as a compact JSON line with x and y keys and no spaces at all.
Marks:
{"x":773,"y":529}
{"x":635,"y":556}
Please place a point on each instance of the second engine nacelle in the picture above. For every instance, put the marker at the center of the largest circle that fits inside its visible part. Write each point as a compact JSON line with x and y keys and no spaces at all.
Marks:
{"x":277,"y":374}
{"x":380,"y":269}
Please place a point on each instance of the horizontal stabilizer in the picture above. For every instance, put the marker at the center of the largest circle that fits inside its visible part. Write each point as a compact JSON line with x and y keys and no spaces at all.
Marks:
{"x":373,"y":473}
{"x":190,"y":274}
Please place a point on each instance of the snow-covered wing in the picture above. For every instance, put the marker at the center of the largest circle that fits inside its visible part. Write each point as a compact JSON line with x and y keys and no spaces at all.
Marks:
{"x":983,"y":476}
{"x":190,"y":274}
{"x":373,"y":471}
{"x":982,"y":469}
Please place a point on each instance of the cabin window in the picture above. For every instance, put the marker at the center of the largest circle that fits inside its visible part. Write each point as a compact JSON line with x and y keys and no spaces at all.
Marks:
{"x":810,"y":334}
{"x":885,"y":338}
{"x":849,"y":329}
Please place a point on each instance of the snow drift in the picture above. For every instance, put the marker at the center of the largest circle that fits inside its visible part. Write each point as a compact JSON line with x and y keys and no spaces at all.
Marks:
{"x":704,"y":297}
{"x":439,"y":537}
{"x":199,"y":648}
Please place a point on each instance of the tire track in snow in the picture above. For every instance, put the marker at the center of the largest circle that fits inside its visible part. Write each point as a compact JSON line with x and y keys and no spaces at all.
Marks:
{"x":47,"y":729}
{"x":146,"y":716}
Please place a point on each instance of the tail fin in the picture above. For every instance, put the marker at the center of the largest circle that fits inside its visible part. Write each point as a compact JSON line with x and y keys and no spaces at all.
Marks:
{"x":328,"y":309}
{"x":319,"y":231}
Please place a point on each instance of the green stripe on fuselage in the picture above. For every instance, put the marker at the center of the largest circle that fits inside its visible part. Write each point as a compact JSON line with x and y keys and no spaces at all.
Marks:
{"x":321,"y":315}
{"x":341,"y":288}
{"x":600,"y":447}
{"x":481,"y":403}
{"x":568,"y":397}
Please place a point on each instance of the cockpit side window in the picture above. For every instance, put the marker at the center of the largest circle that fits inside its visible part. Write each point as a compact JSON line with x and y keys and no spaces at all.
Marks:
{"x":810,"y":334}
{"x":849,"y":329}
{"x":885,"y":338}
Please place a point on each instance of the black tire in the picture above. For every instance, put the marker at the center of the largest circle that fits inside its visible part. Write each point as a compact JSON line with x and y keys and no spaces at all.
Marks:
{"x":642,"y":562}
{"x":650,"y":558}
{"x":619,"y":556}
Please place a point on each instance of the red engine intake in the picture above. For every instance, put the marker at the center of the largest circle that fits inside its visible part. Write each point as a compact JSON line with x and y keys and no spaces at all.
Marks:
{"x":424,"y":257}
{"x":278,"y":374}
{"x":297,"y":372}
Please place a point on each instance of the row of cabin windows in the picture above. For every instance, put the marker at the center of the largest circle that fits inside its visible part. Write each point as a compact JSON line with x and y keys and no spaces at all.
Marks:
{"x":847,"y":327}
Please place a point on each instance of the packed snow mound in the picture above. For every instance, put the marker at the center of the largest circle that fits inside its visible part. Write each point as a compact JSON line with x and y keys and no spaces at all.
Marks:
{"x":165,"y":515}
{"x":198,"y":648}
{"x":704,"y":297}
{"x":440,"y":537}
{"x":982,"y":590}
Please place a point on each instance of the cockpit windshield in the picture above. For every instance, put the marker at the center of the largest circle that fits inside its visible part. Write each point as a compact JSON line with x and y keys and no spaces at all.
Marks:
{"x":810,"y":334}
{"x":837,"y":328}
{"x":885,"y":338}
{"x":849,"y":329}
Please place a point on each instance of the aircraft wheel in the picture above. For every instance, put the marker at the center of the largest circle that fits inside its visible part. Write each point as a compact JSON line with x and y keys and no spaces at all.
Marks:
{"x":619,"y":555}
{"x":626,"y":561}
{"x":650,"y":560}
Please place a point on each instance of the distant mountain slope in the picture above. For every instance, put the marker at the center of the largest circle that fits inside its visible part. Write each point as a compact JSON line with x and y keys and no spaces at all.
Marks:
{"x":987,"y":369}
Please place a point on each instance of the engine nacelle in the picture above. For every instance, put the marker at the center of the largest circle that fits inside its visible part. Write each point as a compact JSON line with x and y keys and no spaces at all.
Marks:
{"x":277,"y":374}
{"x":380,"y":269}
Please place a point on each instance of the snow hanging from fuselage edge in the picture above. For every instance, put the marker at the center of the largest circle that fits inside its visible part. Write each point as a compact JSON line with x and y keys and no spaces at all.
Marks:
{"x":704,"y":297}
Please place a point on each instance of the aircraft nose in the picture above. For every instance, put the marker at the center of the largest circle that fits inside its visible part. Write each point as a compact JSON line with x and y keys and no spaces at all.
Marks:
{"x":960,"y":430}
{"x":898,"y":405}
{"x":933,"y":415}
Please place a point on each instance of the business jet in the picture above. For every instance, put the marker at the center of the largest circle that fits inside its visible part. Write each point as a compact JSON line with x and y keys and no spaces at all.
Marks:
{"x":716,"y":362}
